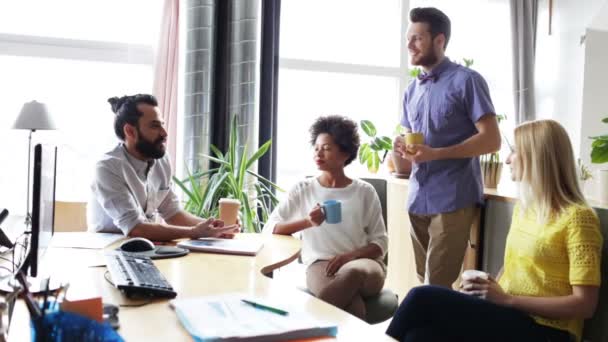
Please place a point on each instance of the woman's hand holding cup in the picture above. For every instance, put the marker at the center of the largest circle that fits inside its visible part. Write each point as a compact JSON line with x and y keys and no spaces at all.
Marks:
{"x":316,"y":216}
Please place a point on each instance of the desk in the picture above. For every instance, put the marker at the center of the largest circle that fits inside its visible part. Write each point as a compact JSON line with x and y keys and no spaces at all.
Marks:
{"x":194,"y":275}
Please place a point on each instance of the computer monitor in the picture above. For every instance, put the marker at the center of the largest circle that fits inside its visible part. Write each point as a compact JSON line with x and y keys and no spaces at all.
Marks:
{"x":43,"y":206}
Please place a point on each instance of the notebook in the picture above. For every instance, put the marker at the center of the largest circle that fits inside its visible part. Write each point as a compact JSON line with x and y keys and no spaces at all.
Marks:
{"x":226,"y":246}
{"x":227,"y":318}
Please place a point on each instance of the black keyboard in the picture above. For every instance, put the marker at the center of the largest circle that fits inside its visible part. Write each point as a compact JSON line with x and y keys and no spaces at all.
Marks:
{"x":137,"y":276}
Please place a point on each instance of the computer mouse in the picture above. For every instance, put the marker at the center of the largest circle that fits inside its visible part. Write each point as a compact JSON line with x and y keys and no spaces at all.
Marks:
{"x":137,"y":244}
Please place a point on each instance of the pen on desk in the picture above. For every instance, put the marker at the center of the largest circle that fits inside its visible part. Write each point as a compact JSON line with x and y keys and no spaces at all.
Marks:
{"x":265,"y":307}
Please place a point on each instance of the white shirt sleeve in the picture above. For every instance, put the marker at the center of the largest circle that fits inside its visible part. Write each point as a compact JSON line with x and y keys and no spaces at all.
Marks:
{"x":287,"y":210}
{"x":169,"y":206}
{"x":115,"y":198}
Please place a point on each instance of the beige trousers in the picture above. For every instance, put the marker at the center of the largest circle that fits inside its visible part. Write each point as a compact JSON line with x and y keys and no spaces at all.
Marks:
{"x":440,"y":242}
{"x":346,"y":289}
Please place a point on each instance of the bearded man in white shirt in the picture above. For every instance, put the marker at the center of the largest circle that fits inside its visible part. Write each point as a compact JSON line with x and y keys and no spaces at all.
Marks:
{"x":132,"y":183}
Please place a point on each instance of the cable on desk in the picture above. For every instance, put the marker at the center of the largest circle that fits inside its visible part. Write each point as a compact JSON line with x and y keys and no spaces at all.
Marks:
{"x":105,"y":276}
{"x":136,"y":305}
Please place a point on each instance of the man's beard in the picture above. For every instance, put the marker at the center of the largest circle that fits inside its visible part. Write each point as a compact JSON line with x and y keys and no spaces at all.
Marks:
{"x":154,"y":150}
{"x":427,"y":60}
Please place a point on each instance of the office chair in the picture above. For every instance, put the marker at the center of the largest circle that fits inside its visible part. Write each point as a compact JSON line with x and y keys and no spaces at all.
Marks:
{"x":382,"y":306}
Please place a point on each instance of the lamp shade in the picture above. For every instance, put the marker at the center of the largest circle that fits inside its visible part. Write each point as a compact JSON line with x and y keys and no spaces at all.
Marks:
{"x":33,"y":116}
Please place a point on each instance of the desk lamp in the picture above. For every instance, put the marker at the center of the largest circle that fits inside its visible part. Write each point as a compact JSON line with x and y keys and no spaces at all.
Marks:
{"x":33,"y":116}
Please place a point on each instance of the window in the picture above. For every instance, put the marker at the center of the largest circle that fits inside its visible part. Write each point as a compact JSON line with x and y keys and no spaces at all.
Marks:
{"x":332,"y":62}
{"x":350,"y":57}
{"x":73,"y":71}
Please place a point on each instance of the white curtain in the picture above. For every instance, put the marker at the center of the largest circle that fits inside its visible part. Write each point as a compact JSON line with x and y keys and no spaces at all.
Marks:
{"x":165,"y":72}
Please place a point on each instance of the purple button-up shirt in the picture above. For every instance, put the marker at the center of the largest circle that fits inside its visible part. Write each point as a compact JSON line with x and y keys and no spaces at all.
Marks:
{"x":445,"y":110}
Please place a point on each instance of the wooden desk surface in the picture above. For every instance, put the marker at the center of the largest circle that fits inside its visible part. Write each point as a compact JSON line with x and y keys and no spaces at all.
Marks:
{"x":193,"y":275}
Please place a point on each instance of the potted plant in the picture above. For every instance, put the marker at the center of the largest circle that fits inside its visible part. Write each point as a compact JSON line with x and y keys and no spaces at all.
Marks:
{"x":491,"y":166}
{"x":599,"y":155}
{"x":369,"y":152}
{"x":233,"y":178}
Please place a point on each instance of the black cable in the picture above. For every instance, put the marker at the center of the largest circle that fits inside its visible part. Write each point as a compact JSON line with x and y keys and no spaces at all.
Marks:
{"x":136,"y":305}
{"x":105,"y":276}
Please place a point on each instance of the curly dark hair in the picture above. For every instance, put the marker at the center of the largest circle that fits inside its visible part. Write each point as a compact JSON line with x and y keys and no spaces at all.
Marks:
{"x":438,"y":21}
{"x":126,"y":111}
{"x":342,"y":130}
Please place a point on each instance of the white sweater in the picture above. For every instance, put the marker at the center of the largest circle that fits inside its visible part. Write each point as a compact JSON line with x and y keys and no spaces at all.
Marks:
{"x":361,"y":224}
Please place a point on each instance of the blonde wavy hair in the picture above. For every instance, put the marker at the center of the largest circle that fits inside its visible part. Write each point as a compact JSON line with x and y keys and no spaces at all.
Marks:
{"x":548,"y":183}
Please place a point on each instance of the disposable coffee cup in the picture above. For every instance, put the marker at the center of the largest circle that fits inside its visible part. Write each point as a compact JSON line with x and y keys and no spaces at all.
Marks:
{"x":472,"y":274}
{"x":412,"y":138}
{"x":229,"y":210}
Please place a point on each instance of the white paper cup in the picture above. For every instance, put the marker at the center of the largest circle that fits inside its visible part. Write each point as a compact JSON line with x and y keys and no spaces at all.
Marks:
{"x":229,"y":210}
{"x":472,"y":274}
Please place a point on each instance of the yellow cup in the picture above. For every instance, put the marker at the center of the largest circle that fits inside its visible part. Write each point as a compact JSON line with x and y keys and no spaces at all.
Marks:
{"x":413,"y":139}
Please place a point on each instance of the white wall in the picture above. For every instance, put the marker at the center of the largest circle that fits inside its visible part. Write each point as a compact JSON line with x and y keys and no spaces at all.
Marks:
{"x":594,"y":100}
{"x":560,"y":62}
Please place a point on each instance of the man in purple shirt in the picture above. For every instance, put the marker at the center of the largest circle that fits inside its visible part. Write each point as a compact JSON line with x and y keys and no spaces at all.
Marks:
{"x":451,"y":106}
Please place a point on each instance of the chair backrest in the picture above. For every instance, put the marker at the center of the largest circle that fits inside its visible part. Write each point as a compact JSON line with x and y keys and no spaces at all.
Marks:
{"x":70,"y":216}
{"x":380,"y":186}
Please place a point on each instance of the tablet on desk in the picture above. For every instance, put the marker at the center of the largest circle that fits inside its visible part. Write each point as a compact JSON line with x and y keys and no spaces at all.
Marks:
{"x":224,"y":246}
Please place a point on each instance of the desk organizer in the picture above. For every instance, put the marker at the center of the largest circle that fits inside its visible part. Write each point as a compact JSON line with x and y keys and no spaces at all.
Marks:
{"x":61,"y":326}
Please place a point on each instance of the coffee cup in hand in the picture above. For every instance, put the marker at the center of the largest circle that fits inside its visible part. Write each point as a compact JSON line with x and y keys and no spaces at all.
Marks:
{"x":229,"y":210}
{"x":412,"y":138}
{"x":473,"y":274}
{"x":332,"y":210}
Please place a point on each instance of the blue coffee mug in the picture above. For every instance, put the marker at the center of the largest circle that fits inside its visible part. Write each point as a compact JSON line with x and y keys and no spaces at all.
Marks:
{"x":332,"y":210}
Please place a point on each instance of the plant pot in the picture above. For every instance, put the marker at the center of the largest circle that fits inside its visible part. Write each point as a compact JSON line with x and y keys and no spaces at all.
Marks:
{"x":491,"y":172}
{"x":403,"y":167}
{"x":389,"y":164}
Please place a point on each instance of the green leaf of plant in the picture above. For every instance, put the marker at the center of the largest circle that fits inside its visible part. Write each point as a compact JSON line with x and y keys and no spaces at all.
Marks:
{"x":232,"y":144}
{"x":364,"y":152}
{"x":386,"y":143}
{"x":267,"y":181}
{"x":373,"y":163}
{"x":242,"y":168}
{"x":201,"y":174}
{"x":183,"y":187}
{"x":211,"y":192}
{"x":259,"y":153}
{"x":248,"y":215}
{"x":368,"y":127}
{"x":219,"y":161}
{"x":217,"y":152}
{"x":605,"y":120}
{"x":376,"y":145}
{"x":599,"y":155}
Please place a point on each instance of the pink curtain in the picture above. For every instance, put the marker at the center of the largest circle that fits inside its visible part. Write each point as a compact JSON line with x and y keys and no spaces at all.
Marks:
{"x":165,"y":73}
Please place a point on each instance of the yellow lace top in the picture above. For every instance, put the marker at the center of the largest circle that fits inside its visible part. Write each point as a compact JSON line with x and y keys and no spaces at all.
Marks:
{"x":546,"y":260}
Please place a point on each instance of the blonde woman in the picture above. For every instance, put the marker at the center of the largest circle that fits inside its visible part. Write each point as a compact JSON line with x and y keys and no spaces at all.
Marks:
{"x":551,"y":274}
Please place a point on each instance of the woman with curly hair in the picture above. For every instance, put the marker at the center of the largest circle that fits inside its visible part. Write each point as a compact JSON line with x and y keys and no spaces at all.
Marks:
{"x":344,"y":260}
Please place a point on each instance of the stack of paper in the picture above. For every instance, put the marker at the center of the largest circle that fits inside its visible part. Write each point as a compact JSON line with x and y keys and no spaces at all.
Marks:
{"x":225,"y":246}
{"x":228,"y":318}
